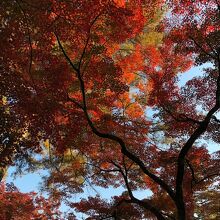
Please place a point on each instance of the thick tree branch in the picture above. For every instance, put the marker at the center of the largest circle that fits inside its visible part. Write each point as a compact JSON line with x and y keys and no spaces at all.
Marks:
{"x":188,"y":145}
{"x":124,"y":150}
{"x":110,"y":136}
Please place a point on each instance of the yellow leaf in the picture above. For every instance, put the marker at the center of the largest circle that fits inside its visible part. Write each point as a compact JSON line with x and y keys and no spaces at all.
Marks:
{"x":4,"y":100}
{"x":47,"y":143}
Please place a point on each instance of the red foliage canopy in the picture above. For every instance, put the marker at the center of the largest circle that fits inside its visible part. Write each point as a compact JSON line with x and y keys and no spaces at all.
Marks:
{"x":79,"y":79}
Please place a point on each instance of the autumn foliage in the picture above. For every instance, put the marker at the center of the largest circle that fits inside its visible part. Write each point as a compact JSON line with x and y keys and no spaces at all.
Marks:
{"x":25,"y":206}
{"x":90,"y":92}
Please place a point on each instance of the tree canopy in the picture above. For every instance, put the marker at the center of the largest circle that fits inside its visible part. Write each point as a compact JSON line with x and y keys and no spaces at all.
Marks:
{"x":90,"y":92}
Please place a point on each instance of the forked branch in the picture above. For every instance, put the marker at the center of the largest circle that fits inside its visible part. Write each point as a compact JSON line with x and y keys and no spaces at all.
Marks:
{"x":111,"y":136}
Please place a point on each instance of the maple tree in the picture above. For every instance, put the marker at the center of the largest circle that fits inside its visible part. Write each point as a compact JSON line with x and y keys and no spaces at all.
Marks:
{"x":79,"y":79}
{"x":17,"y":205}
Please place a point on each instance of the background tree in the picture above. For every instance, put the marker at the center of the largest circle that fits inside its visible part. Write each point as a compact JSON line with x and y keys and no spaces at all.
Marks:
{"x":17,"y":205}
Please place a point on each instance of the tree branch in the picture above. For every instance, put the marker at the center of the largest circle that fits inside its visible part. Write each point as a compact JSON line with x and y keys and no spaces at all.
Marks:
{"x":188,"y":145}
{"x":194,"y":180}
{"x":75,"y":102}
{"x":110,"y":136}
{"x":29,"y":41}
{"x":144,"y":204}
{"x":87,"y":40}
{"x":201,"y":48}
{"x":64,"y":53}
{"x":181,"y":117}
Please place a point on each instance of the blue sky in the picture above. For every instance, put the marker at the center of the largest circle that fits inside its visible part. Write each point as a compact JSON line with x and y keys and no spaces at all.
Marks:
{"x":31,"y":182}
